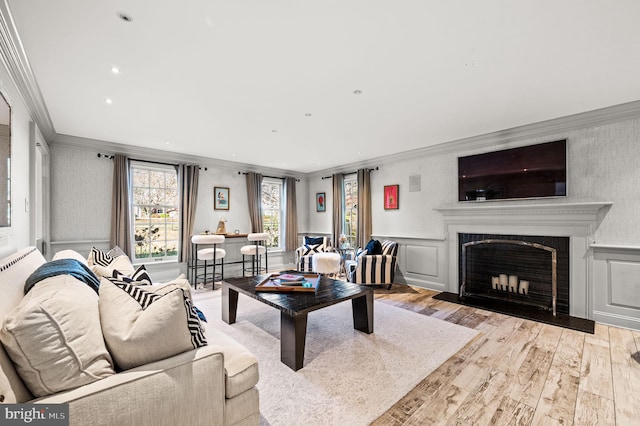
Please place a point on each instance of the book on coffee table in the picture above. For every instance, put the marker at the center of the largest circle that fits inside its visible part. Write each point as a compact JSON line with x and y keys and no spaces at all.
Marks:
{"x":276,"y":282}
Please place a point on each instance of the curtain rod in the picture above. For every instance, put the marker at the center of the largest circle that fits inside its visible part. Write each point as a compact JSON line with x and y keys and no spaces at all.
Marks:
{"x":111,"y":156}
{"x":270,"y":177}
{"x":349,"y":173}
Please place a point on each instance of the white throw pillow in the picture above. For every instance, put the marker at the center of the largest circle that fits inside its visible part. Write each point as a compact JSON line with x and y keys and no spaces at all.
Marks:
{"x":54,"y":337}
{"x":142,"y":324}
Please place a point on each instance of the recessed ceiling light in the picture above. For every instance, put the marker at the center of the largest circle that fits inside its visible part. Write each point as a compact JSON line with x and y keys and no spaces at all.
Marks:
{"x":167,"y":143}
{"x":357,"y":92}
{"x":233,"y":155}
{"x":108,"y":101}
{"x":115,"y":70}
{"x":274,"y":131}
{"x":308,"y":114}
{"x":125,"y":17}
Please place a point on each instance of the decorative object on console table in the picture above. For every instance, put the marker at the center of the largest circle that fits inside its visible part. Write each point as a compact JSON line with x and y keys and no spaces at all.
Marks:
{"x":222,"y":229}
{"x":391,"y":197}
{"x":321,"y":199}
{"x":220,"y":198}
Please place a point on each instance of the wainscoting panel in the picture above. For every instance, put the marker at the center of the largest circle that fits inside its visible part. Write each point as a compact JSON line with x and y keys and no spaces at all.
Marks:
{"x":421,"y":261}
{"x":624,"y":284}
{"x":616,"y":278}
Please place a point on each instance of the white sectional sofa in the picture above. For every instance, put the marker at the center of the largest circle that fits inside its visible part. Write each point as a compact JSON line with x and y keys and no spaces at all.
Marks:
{"x":210,"y":385}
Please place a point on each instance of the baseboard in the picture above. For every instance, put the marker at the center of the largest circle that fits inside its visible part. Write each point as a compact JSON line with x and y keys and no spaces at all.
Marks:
{"x":617,"y":320}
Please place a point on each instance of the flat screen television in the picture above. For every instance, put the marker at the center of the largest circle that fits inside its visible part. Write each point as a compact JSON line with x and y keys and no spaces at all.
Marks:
{"x":525,"y":172}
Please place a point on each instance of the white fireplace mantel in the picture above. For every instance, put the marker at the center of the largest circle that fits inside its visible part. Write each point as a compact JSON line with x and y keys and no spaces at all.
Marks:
{"x":576,"y":220}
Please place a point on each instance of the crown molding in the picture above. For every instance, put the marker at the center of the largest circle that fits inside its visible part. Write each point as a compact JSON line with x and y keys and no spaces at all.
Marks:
{"x":151,"y":154}
{"x":15,"y":60}
{"x":598,"y":117}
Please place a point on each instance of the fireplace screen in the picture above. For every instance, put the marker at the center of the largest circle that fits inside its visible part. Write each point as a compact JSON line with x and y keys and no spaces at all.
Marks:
{"x":515,"y":270}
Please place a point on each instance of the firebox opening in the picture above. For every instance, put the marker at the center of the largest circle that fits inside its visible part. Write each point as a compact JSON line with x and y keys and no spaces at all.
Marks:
{"x":526,"y":271}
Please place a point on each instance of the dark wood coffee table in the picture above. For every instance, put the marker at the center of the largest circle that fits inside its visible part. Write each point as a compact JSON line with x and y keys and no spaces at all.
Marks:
{"x":294,"y":308}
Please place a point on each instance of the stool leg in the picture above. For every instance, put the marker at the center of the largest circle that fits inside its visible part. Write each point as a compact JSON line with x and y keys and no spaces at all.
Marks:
{"x":205,"y":274}
{"x":257,"y":258}
{"x":214,"y":268}
{"x":243,"y":266}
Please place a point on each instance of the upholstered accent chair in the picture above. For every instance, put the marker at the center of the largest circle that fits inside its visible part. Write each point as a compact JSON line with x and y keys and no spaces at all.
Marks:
{"x":311,"y":246}
{"x":369,"y":268}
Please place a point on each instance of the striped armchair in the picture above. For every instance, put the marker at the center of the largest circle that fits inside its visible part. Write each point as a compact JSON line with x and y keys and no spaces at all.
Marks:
{"x":311,"y":246}
{"x":376,"y":268}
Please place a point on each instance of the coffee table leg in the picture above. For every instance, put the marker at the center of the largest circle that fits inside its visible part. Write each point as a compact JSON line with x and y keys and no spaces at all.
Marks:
{"x":363,"y":313}
{"x":293,"y":333}
{"x":229,"y":304}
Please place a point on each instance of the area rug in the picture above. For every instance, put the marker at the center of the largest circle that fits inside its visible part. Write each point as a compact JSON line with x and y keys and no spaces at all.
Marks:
{"x":349,"y":377}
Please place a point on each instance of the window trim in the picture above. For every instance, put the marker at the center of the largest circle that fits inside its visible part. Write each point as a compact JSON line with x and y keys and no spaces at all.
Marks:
{"x":280,"y":183}
{"x":352,"y":177}
{"x":150,"y":165}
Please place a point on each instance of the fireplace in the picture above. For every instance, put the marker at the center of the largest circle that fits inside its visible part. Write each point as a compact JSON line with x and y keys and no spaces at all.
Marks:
{"x":574,"y":221}
{"x":522,"y":270}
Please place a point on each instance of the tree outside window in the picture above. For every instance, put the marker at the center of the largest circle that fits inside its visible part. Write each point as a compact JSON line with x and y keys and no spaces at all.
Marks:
{"x":272,"y":196}
{"x":350,"y":225}
{"x":155,"y":212}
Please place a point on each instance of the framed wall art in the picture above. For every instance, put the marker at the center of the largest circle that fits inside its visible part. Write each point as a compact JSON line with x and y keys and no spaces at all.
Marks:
{"x":391,"y":197}
{"x":321,"y":202}
{"x":220,"y":198}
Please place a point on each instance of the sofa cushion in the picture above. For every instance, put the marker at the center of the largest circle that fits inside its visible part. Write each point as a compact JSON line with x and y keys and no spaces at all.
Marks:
{"x":241,"y":366}
{"x":70,"y":254}
{"x":146,"y":324}
{"x":54,"y":338}
{"x":14,"y":270}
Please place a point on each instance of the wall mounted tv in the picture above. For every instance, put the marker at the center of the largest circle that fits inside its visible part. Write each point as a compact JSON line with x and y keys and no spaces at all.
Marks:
{"x":525,"y":172}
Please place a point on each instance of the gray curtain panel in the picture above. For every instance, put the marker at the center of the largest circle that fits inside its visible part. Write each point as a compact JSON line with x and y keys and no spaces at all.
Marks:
{"x":188,"y":177}
{"x":291,"y":215}
{"x":120,"y":229}
{"x":338,"y":184}
{"x":254,"y":198}
{"x":364,"y":207}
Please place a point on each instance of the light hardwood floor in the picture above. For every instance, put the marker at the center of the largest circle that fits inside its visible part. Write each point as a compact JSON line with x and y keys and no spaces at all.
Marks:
{"x":520,"y":372}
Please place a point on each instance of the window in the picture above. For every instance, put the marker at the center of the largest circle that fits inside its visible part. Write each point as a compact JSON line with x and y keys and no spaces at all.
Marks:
{"x":272,"y":205}
{"x":350,"y":225}
{"x":154,"y":212}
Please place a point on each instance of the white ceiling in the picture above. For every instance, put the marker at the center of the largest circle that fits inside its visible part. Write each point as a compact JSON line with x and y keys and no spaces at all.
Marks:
{"x":233,"y":80}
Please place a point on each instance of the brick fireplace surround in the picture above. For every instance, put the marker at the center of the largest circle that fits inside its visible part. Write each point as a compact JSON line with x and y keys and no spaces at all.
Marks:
{"x":576,"y":220}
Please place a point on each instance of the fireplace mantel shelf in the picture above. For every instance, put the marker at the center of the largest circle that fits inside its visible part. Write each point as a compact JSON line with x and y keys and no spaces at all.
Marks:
{"x":568,"y":208}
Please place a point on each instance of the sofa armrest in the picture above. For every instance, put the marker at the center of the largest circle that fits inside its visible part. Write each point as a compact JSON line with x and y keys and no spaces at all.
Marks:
{"x":188,"y":388}
{"x":374,"y":269}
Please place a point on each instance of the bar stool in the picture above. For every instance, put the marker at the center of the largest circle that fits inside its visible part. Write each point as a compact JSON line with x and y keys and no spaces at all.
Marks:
{"x":207,"y":254}
{"x":256,"y":251}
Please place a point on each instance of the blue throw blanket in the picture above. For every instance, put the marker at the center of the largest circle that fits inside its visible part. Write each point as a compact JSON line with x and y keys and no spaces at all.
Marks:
{"x":72,"y":267}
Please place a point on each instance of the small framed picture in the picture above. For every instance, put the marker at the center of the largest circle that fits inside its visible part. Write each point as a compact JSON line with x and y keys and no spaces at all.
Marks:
{"x":321,"y":202}
{"x":391,"y":197}
{"x":220,"y":198}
